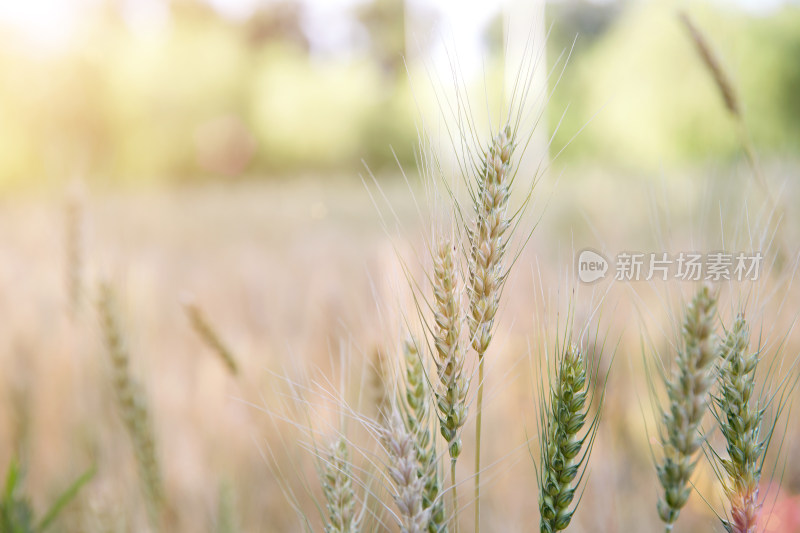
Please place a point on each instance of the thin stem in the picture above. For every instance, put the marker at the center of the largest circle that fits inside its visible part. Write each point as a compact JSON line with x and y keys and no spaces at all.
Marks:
{"x":752,"y":158}
{"x":478,"y":446}
{"x":454,"y":496}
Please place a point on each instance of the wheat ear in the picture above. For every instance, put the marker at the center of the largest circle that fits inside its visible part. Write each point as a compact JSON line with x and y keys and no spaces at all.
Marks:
{"x":404,"y":469}
{"x":418,"y":424}
{"x":202,"y":326}
{"x":486,"y":276}
{"x":688,"y":391}
{"x":730,"y":98}
{"x":713,"y":65}
{"x":132,"y":406}
{"x":740,"y":419}
{"x":562,"y":439}
{"x":451,"y":394}
{"x":337,"y":485}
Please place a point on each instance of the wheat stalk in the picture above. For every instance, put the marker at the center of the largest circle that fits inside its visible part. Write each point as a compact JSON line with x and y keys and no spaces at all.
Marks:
{"x":132,"y":406}
{"x":337,"y":485}
{"x":418,"y":424}
{"x":202,"y":326}
{"x":486,"y":276}
{"x":688,"y":400}
{"x":451,"y":394}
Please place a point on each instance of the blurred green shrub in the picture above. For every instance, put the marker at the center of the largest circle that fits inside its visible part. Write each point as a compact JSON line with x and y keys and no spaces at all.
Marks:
{"x":210,"y":97}
{"x":16,"y":513}
{"x":653,"y":100}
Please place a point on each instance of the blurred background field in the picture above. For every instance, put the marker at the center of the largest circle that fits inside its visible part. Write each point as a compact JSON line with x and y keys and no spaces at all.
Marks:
{"x":215,"y":152}
{"x":149,"y":91}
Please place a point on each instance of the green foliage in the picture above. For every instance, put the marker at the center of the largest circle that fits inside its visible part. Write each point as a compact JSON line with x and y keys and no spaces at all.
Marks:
{"x":211,"y":97}
{"x":16,"y":512}
{"x":226,"y":511}
{"x":306,"y":114}
{"x":205,"y":97}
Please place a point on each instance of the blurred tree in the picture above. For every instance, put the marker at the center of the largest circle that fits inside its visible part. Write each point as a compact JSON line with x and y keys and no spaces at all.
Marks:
{"x":388,"y":129}
{"x":648,"y":100}
{"x":279,"y":21}
{"x":586,"y":20}
{"x":385,"y":21}
{"x":494,"y":36}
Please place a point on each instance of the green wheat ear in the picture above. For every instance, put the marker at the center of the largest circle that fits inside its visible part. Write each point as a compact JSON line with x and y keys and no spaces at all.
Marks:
{"x":688,"y":392}
{"x":337,"y":485}
{"x":133,"y":407}
{"x":206,"y":331}
{"x":740,"y":417}
{"x":418,"y":424}
{"x":566,"y":441}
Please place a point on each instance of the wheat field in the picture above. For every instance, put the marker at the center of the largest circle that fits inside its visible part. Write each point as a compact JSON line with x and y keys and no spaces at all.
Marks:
{"x":305,"y":287}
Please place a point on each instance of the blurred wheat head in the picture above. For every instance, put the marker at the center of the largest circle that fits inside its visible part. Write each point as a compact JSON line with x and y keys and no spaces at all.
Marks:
{"x":688,"y":397}
{"x":132,"y":406}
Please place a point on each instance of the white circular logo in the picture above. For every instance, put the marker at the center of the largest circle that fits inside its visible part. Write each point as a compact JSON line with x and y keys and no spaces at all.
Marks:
{"x":591,"y":266}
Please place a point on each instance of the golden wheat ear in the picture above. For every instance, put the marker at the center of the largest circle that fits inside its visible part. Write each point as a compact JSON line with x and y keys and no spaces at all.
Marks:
{"x":488,"y":240}
{"x":452,"y":386}
{"x":451,"y":394}
{"x":407,"y":474}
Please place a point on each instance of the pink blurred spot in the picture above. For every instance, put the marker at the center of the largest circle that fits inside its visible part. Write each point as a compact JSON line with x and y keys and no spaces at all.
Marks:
{"x":785,"y":517}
